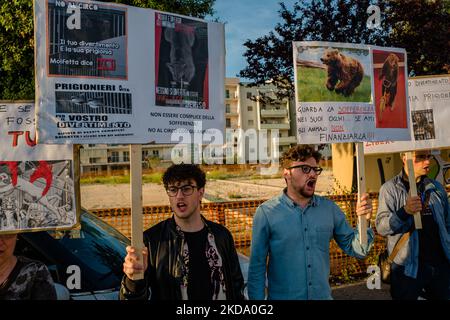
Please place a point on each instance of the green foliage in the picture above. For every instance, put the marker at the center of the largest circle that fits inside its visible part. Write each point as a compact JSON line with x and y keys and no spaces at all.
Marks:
{"x":121,"y":179}
{"x":311,"y":83}
{"x":17,"y":39}
{"x":421,"y":27}
{"x":155,"y":177}
{"x":16,"y":50}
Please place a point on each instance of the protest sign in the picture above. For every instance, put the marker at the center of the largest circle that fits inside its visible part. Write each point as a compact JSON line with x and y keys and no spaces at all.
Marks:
{"x":36,"y":181}
{"x":110,"y":73}
{"x":339,"y":88}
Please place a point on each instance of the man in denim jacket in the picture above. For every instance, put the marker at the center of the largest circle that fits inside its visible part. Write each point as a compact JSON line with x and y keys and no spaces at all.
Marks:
{"x":421,"y":267}
{"x":294,"y":229}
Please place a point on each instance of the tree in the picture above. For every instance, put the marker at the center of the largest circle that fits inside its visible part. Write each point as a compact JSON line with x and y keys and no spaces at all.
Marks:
{"x":17,"y":39}
{"x":269,"y":58}
{"x":423,"y":29}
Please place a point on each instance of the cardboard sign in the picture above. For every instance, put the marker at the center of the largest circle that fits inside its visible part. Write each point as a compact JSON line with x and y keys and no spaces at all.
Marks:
{"x":429,"y":98}
{"x":350,"y":93}
{"x":110,"y":73}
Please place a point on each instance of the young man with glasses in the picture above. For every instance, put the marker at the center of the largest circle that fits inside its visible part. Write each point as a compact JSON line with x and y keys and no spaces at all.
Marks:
{"x":422,"y":265}
{"x":293,"y":232}
{"x":188,"y":257}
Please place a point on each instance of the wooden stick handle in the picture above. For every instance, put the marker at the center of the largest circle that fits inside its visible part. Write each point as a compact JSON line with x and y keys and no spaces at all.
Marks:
{"x":136,"y":203}
{"x":362,"y":221}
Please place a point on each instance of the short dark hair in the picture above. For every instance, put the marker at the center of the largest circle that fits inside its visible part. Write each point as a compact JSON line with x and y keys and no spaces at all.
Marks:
{"x":181,"y":172}
{"x":299,"y":153}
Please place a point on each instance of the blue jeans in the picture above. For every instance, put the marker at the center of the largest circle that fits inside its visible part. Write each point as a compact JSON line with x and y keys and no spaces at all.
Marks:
{"x":432,"y":282}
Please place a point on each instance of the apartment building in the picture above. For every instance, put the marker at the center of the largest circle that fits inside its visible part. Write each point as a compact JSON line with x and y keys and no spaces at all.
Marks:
{"x":244,"y":109}
{"x":247,"y":108}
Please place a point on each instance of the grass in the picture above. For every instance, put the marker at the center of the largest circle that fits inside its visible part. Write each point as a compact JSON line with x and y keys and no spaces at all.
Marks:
{"x":311,"y":87}
{"x":156,"y":177}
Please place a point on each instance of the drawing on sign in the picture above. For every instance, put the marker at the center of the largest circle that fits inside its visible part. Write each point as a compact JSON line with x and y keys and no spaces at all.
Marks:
{"x":423,"y":124}
{"x":92,"y":42}
{"x":181,"y":58}
{"x":327,"y":73}
{"x":390,"y":89}
{"x":36,"y":194}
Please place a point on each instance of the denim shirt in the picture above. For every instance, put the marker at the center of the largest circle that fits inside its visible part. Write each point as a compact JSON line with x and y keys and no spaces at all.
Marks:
{"x":297,"y":240}
{"x":392,"y":220}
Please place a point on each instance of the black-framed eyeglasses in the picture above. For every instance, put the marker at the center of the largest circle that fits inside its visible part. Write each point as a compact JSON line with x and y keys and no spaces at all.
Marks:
{"x":307,"y":169}
{"x":186,"y":190}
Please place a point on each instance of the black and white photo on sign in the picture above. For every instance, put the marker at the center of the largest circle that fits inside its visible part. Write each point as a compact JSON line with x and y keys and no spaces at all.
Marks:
{"x":98,"y":102}
{"x":181,"y":62}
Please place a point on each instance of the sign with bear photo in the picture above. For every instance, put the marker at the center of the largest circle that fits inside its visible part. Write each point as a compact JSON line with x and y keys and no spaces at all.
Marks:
{"x":36,"y":181}
{"x":339,"y":90}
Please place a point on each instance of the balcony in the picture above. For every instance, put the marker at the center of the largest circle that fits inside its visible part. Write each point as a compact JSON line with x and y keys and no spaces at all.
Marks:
{"x":273,"y":113}
{"x":231,"y":113}
{"x":269,"y":126}
{"x":287,"y":140}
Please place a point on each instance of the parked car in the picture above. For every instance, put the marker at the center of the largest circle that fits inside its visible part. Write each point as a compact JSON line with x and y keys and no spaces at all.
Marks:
{"x":95,"y":247}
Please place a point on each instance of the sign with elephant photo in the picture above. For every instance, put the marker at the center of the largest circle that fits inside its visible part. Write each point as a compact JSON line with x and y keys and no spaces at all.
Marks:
{"x":36,"y":181}
{"x":350,"y":92}
{"x":112,"y":73}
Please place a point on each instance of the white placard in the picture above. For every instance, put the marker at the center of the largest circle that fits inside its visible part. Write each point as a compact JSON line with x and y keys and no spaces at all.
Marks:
{"x":110,"y":73}
{"x":429,"y":99}
{"x":36,"y":181}
{"x":338,"y":91}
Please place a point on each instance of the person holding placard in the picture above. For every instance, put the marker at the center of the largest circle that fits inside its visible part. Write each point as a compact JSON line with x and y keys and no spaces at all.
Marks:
{"x":22,"y":278}
{"x":293,"y":231}
{"x":422,"y":265}
{"x":188,"y":256}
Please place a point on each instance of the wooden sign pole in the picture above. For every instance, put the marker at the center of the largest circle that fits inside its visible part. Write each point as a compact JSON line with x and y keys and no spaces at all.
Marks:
{"x":136,"y":203}
{"x":413,"y":187}
{"x":362,"y":221}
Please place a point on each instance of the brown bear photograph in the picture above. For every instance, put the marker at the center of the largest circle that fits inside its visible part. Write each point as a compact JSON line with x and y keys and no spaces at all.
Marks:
{"x":389,"y":89}
{"x":327,"y":73}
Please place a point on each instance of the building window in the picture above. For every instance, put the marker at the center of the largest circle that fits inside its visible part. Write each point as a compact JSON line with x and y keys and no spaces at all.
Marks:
{"x":228,"y":124}
{"x":156,"y":153}
{"x":227,"y":108}
{"x":250,"y":122}
{"x":91,"y":145}
{"x":249,"y":95}
{"x":93,"y":160}
{"x":126,"y":156}
{"x":114,"y":156}
{"x":249,"y":108}
{"x":227,"y":94}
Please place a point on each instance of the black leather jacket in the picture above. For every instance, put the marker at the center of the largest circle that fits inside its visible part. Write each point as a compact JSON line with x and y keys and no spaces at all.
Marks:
{"x":163,"y":274}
